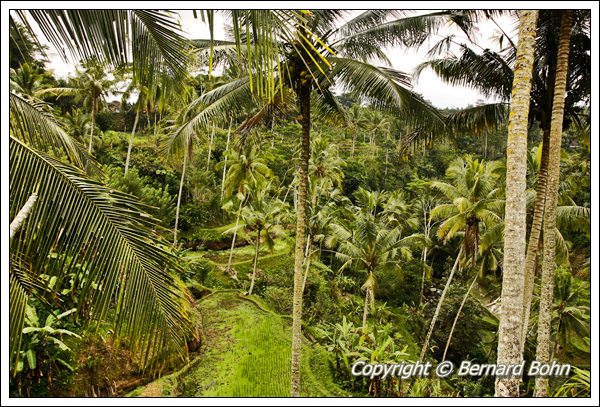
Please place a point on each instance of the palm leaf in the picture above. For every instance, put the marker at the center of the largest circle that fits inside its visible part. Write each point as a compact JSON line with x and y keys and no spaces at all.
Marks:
{"x":384,"y":89}
{"x":151,"y":39}
{"x":32,"y":123}
{"x":86,"y":223}
{"x":575,"y":218}
{"x":217,"y":105}
{"x":487,"y":73}
{"x":479,"y":118}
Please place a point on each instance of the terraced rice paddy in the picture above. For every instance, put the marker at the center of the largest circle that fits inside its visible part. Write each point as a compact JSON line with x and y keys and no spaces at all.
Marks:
{"x":246,"y":352}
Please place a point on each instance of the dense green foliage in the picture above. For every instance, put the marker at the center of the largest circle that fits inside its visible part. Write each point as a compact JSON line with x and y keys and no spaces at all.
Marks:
{"x":390,"y":210}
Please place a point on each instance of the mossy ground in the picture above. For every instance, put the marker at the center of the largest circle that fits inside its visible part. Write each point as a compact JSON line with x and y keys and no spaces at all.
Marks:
{"x":246,"y":352}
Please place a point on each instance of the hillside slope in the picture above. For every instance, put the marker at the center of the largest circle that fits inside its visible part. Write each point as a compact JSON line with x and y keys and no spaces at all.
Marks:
{"x":245,"y":352}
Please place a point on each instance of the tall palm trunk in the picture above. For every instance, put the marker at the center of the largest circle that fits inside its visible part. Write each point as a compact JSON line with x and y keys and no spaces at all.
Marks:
{"x":462,"y":304}
{"x":509,"y":331}
{"x":210,"y":143}
{"x":256,"y":249}
{"x":423,"y":272}
{"x":135,"y":123}
{"x":368,"y":299}
{"x":225,"y":165}
{"x":307,"y":261}
{"x":534,"y":237}
{"x":185,"y":155}
{"x":94,"y":106}
{"x":304,"y":100}
{"x":237,"y":222}
{"x":548,"y":263}
{"x":439,"y":305}
{"x":427,"y":231}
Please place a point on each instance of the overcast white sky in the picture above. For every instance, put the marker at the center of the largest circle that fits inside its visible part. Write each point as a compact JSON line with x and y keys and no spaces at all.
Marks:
{"x":433,"y":89}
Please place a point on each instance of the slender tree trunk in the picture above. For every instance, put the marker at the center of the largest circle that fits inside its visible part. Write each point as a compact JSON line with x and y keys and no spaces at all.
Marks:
{"x":462,"y":304}
{"x":135,"y":122}
{"x":366,"y":309}
{"x":515,"y":230}
{"x":307,"y":261}
{"x":256,"y":249}
{"x":304,"y":99}
{"x":534,"y":237}
{"x":185,"y":154}
{"x":427,"y":230}
{"x":353,"y":144}
{"x":424,"y":268}
{"x":439,"y":305}
{"x":155,"y":120}
{"x":210,"y":142}
{"x":549,"y":250}
{"x":237,"y":222}
{"x":485,"y":147}
{"x":90,"y":146}
{"x":22,"y":215}
{"x":225,"y":166}
{"x":386,"y":165}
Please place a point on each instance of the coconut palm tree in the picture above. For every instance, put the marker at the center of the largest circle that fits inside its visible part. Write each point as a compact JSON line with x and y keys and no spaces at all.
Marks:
{"x":81,"y":221}
{"x":78,"y":123}
{"x":357,"y":121}
{"x":91,"y":86}
{"x":377,"y":125}
{"x":475,"y":199}
{"x":26,"y":80}
{"x":548,"y":265}
{"x":247,"y":172}
{"x":261,"y":215}
{"x":369,"y":242}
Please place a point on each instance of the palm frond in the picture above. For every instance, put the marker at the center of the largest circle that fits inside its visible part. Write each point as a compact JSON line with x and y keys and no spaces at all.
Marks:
{"x":151,"y":39}
{"x":450,"y":191}
{"x":487,"y":73}
{"x":32,"y":123}
{"x":575,"y":218}
{"x":478,"y":118}
{"x":384,"y":89}
{"x":18,"y":304}
{"x":216,"y":106}
{"x":88,"y":224}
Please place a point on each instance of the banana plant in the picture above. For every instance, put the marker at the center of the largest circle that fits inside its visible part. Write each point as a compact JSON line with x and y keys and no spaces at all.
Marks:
{"x":43,"y":349}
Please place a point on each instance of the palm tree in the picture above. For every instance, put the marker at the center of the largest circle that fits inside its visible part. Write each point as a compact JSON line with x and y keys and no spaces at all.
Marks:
{"x":308,"y":55}
{"x":370,"y":243}
{"x":26,"y":80}
{"x":549,"y":264}
{"x":78,"y":124}
{"x":90,"y":86}
{"x":509,"y":331}
{"x":474,"y":199}
{"x":80,"y":221}
{"x":247,"y":172}
{"x":261,"y":215}
{"x":324,"y":170}
{"x":570,"y":310}
{"x":377,"y":124}
{"x":356,"y":119}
